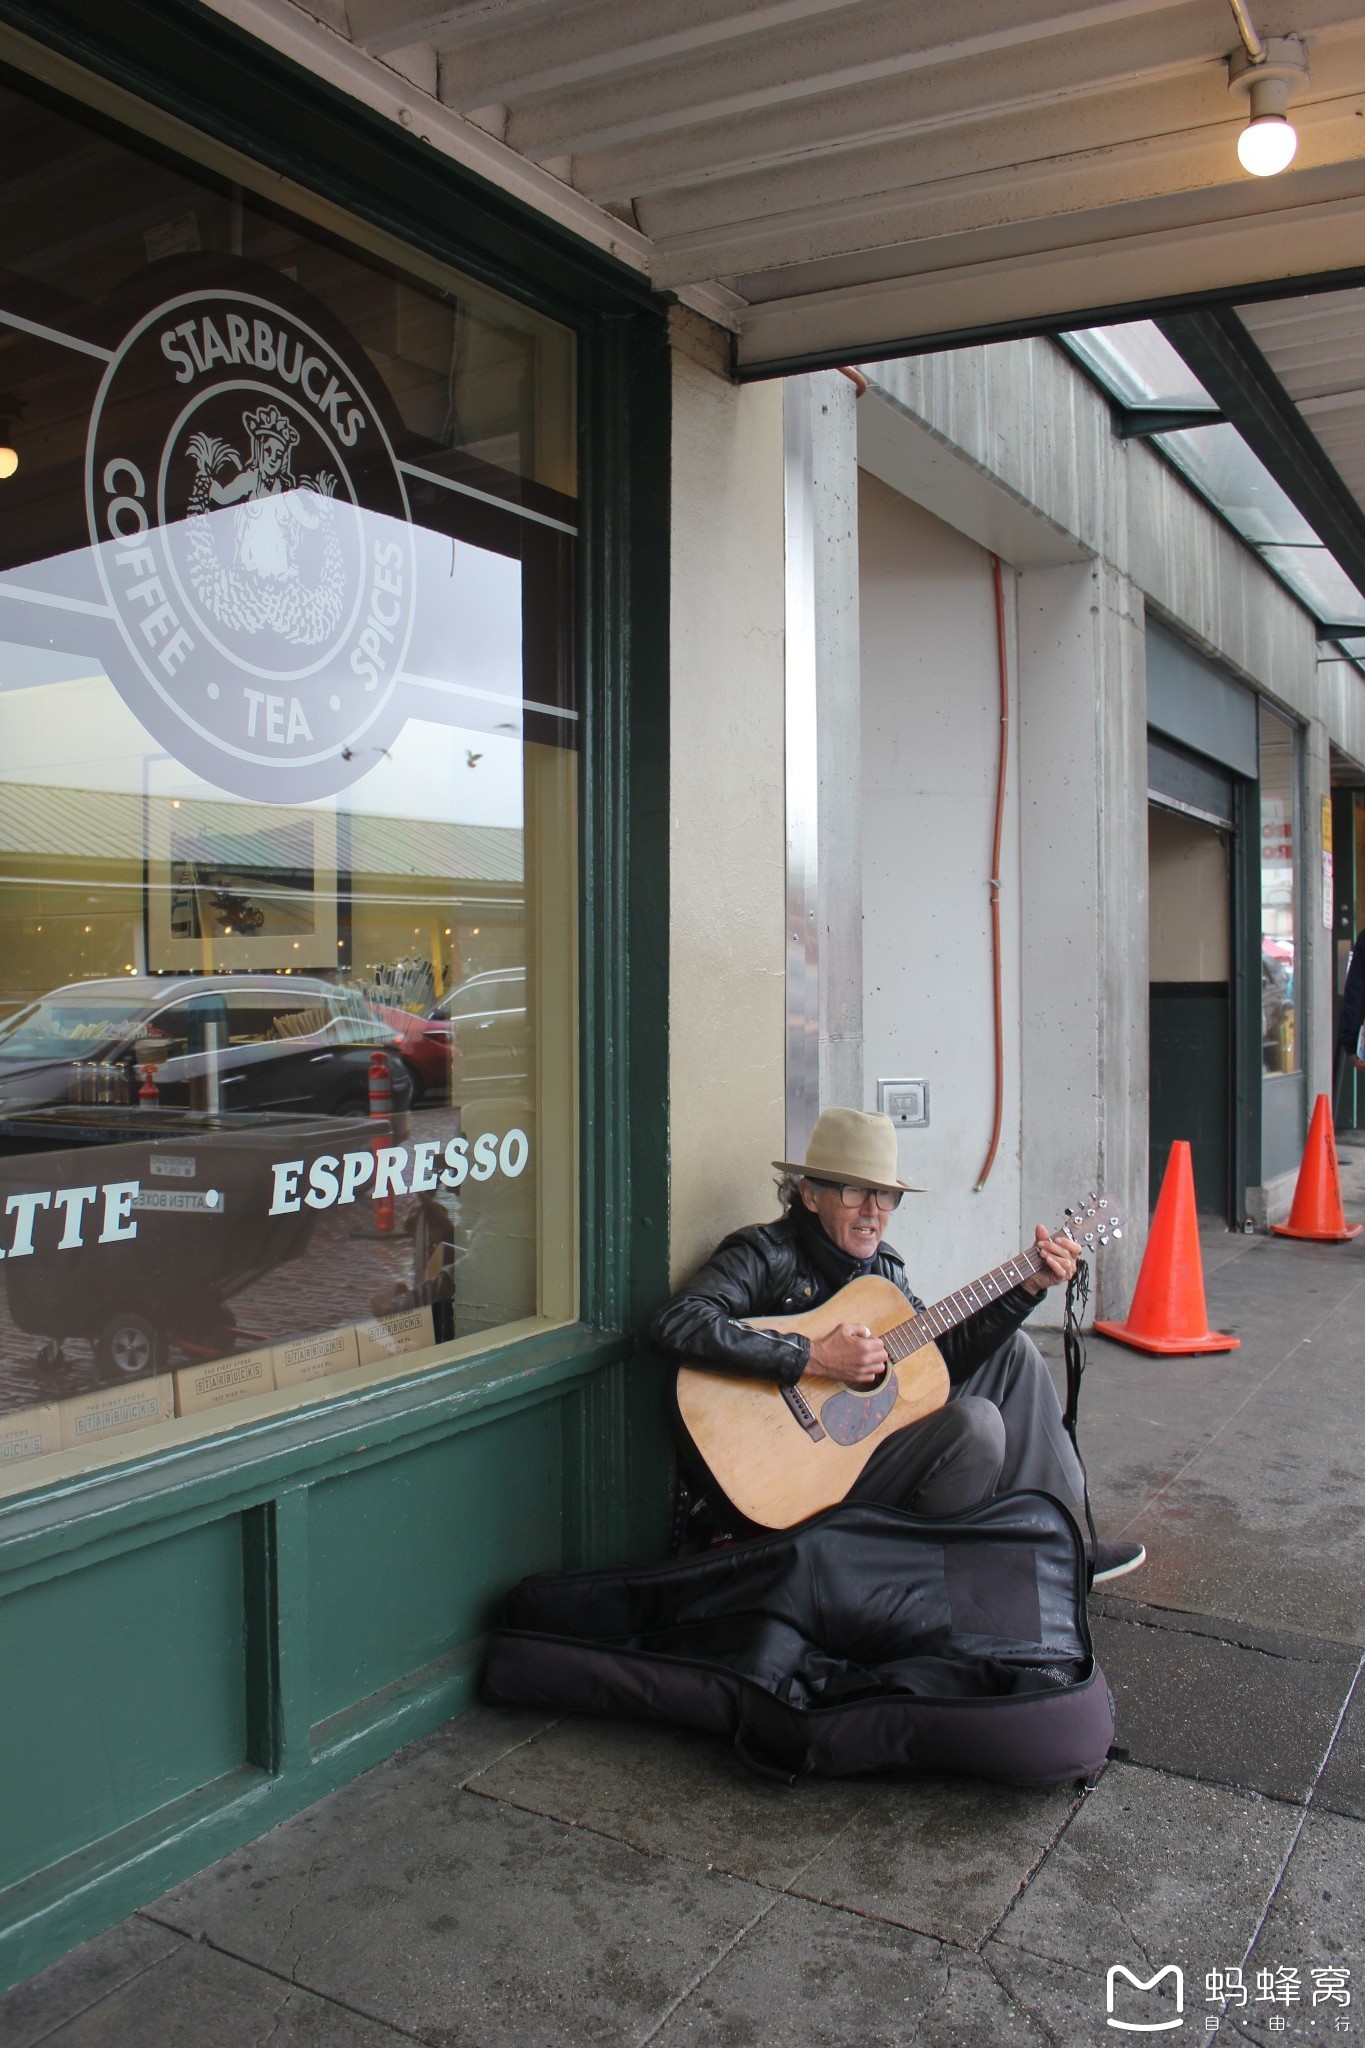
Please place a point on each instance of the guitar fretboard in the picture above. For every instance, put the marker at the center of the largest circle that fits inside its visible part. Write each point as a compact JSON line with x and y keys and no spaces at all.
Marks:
{"x":903,"y":1338}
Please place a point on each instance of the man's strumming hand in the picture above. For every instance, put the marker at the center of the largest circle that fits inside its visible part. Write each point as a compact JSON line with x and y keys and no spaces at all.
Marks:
{"x":851,"y":1354}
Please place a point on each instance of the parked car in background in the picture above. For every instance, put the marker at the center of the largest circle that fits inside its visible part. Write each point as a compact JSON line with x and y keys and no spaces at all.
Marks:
{"x":427,"y":1049}
{"x":487,"y":1022}
{"x":243,"y":1041}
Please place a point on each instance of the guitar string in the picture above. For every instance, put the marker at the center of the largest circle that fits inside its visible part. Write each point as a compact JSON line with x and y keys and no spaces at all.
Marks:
{"x":917,"y":1330}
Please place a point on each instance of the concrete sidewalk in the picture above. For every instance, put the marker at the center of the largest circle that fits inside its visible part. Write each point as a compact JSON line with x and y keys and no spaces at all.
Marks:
{"x":517,"y":1883}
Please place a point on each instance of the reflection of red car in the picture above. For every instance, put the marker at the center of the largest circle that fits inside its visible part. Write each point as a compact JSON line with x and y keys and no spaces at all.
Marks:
{"x":426,"y":1046}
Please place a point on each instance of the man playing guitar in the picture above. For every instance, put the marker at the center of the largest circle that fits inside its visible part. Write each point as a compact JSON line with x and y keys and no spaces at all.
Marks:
{"x":1001,"y":1428}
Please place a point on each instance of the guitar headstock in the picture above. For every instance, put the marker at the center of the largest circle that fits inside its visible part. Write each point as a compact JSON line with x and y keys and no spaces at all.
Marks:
{"x":1094,"y":1223}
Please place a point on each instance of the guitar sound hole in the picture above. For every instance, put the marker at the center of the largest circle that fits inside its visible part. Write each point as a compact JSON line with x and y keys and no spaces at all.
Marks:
{"x":849,"y":1417}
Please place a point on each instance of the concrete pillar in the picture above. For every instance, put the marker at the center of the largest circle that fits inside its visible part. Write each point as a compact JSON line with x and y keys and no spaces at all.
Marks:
{"x":727,"y":869}
{"x":834,"y":486}
{"x":824,"y":782}
{"x":1083,"y":861}
{"x":1316,"y":948}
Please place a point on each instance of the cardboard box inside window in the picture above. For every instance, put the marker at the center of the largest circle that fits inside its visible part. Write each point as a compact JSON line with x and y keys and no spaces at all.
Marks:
{"x":391,"y":1336}
{"x":316,"y":1357}
{"x":29,"y":1432}
{"x":221,"y":1380}
{"x":87,"y":1418}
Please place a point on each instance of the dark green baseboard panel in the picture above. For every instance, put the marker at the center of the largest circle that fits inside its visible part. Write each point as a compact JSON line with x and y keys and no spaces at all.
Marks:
{"x":197,"y":1651}
{"x":44,"y":1917}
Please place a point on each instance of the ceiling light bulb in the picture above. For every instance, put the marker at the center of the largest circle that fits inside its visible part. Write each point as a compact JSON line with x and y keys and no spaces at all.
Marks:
{"x":9,"y":461}
{"x":1266,"y":145}
{"x":1268,"y":142}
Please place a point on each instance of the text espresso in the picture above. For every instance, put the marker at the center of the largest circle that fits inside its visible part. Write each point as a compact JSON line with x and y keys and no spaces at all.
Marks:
{"x":397,"y":1170}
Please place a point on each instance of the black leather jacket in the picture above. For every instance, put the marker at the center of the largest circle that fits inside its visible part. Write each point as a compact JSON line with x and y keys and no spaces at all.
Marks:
{"x":766,"y":1270}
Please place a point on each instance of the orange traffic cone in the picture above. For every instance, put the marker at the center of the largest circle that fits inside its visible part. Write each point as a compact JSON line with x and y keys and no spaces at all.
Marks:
{"x":1168,"y":1313}
{"x":1316,"y":1209}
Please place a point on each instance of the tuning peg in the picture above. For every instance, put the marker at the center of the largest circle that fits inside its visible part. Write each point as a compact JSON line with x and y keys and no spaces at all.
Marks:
{"x":1117,"y":1234}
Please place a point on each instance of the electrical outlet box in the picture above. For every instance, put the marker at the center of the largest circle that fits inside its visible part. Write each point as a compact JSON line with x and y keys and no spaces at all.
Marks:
{"x":905,"y":1102}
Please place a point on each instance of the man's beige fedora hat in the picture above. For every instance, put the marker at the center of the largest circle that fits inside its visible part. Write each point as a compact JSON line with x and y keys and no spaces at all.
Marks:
{"x":855,"y":1148}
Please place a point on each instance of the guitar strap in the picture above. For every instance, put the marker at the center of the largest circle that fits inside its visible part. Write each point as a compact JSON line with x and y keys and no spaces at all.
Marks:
{"x":1073,"y":1345}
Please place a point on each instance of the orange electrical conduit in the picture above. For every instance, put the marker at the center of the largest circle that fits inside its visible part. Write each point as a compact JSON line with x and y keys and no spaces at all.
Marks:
{"x":859,"y":383}
{"x":1003,"y":663}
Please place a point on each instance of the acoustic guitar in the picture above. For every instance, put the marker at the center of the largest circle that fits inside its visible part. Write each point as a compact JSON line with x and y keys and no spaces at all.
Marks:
{"x":779,"y":1454}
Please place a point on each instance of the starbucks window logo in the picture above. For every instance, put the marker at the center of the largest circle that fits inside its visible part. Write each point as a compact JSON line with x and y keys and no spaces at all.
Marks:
{"x":266,"y":587}
{"x":252,"y":532}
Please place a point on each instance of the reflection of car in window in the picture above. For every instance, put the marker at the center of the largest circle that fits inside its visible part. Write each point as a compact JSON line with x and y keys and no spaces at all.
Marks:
{"x":487,"y":1019}
{"x":425,"y":1047}
{"x":229,"y":1042}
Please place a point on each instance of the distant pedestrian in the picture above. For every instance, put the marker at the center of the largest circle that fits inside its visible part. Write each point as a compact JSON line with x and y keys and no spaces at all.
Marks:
{"x":1352,"y":1011}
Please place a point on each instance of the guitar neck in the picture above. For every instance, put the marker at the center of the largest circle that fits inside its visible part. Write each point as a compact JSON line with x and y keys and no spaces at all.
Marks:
{"x":917,"y":1330}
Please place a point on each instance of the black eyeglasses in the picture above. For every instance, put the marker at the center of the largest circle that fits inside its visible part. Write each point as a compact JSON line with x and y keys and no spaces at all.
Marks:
{"x":886,"y":1199}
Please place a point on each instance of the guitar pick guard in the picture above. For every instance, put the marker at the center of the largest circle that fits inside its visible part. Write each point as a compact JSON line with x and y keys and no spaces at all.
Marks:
{"x":848,"y":1417}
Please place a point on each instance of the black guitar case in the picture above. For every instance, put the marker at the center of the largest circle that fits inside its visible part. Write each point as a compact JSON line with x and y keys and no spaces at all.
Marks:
{"x":867,"y":1639}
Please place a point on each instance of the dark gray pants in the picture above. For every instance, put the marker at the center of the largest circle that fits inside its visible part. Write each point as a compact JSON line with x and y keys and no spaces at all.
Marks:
{"x":1001,"y":1430}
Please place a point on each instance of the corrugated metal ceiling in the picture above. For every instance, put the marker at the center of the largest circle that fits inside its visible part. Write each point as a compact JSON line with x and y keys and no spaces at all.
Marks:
{"x":1316,"y":347}
{"x":834,"y":178}
{"x":844,"y":180}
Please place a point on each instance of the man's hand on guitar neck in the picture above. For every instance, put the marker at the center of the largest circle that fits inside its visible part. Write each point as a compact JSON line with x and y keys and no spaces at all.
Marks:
{"x":1059,"y":1255}
{"x":854,"y":1356}
{"x":851,"y":1354}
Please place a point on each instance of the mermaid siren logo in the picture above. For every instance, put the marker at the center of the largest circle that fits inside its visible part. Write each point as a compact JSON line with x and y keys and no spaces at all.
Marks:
{"x":253,"y":537}
{"x":263,"y":588}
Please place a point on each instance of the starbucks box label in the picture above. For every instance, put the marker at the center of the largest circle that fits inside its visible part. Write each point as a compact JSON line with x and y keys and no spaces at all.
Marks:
{"x":87,"y":1418}
{"x":313,"y":1358}
{"x":29,"y":1432}
{"x":221,"y":1380}
{"x":391,"y":1336}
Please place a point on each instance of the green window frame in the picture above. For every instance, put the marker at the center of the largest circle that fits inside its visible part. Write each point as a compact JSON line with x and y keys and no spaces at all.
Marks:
{"x":196,"y":84}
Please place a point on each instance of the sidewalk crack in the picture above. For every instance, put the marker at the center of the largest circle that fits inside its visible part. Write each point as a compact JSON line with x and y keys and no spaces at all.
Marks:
{"x":102,"y":1997}
{"x":1016,"y":2004}
{"x":1027,"y":1879}
{"x":1209,"y":1635}
{"x":490,"y":1763}
{"x":708,"y":1971}
{"x":1288,"y":1857}
{"x":294,"y":1984}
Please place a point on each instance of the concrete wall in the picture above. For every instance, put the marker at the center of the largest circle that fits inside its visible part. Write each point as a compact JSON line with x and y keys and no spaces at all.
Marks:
{"x":1074,"y":992}
{"x":728,"y":859}
{"x":930,"y":731}
{"x":1008,"y":448}
{"x":1012,"y":447}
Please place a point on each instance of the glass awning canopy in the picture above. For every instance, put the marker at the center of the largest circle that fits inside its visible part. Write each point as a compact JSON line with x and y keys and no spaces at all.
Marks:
{"x":1143,"y":373}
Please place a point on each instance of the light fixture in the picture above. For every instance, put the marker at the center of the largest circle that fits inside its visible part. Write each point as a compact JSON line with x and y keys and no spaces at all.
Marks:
{"x":1268,"y":142}
{"x":11,"y":409}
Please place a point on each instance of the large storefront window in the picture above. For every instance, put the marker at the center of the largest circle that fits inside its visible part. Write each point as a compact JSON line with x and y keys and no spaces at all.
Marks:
{"x":1279,"y":838}
{"x":288,"y":895}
